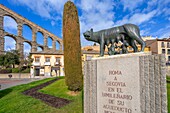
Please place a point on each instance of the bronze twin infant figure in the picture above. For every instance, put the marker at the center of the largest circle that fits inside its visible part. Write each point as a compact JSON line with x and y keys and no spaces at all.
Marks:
{"x":126,"y":34}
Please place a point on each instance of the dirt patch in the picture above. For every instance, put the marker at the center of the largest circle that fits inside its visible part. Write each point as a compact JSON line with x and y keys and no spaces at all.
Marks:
{"x":73,"y":93}
{"x":48,"y":99}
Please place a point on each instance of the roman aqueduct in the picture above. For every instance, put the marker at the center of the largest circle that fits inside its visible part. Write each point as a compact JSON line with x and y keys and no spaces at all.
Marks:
{"x":19,"y":37}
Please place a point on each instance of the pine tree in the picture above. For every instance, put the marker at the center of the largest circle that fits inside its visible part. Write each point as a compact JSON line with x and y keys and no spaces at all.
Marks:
{"x":72,"y":48}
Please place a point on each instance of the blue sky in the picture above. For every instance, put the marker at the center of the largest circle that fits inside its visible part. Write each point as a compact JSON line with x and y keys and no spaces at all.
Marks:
{"x":152,"y":16}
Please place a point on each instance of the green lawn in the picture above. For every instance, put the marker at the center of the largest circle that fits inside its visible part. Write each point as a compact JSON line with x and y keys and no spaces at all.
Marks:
{"x":13,"y":101}
{"x":59,"y":89}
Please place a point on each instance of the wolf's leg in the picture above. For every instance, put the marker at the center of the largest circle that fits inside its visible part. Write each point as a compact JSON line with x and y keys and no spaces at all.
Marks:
{"x":135,"y":48}
{"x":132,"y":44}
{"x":135,"y":35}
{"x":140,"y":41}
{"x":102,"y":46}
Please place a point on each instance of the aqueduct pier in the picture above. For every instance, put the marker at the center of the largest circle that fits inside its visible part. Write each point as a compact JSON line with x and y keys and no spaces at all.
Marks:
{"x":19,"y":37}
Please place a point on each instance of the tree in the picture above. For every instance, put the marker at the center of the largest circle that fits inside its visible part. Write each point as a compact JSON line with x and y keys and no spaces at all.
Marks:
{"x":9,"y":58}
{"x":72,"y":47}
{"x":28,"y":60}
{"x":2,"y":59}
{"x":12,"y":58}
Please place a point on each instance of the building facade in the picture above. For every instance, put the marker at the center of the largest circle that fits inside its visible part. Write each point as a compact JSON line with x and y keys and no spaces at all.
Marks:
{"x":52,"y":64}
{"x":160,"y":46}
{"x":47,"y":64}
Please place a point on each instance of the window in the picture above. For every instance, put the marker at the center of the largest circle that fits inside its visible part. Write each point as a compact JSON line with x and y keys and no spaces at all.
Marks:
{"x":37,"y":59}
{"x":168,"y":62}
{"x":162,"y":44}
{"x":168,"y":51}
{"x":163,"y":51}
{"x":57,"y":60}
{"x":168,"y":45}
{"x":47,"y":59}
{"x":168,"y":58}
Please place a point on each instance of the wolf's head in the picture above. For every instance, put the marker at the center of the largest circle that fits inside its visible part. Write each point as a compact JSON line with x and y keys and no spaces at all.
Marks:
{"x":88,"y":35}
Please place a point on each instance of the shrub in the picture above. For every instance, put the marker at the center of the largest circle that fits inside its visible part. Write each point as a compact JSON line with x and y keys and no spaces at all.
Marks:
{"x":4,"y":71}
{"x":72,"y":47}
{"x":27,"y":70}
{"x":15,"y":70}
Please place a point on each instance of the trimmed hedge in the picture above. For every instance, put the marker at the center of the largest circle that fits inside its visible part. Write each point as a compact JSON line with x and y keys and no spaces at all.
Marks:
{"x":15,"y":70}
{"x":26,"y":70}
{"x":72,"y":47}
{"x":4,"y":71}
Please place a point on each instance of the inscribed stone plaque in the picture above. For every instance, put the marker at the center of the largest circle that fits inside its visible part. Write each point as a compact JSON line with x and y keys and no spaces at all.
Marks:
{"x":118,"y":85}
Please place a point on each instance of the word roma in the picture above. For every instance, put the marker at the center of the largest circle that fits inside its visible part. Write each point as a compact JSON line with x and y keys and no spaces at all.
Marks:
{"x":115,"y":72}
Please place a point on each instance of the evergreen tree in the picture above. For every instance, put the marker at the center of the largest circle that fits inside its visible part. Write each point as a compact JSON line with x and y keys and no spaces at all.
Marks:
{"x":72,"y":47}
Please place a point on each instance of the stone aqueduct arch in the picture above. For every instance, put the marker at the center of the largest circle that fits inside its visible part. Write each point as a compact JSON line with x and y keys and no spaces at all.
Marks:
{"x":19,"y":37}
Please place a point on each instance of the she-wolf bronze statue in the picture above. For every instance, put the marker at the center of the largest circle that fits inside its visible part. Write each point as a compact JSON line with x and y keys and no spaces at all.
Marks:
{"x":105,"y":37}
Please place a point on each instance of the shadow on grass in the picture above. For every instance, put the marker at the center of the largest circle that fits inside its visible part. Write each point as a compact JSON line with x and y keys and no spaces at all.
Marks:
{"x":5,"y":92}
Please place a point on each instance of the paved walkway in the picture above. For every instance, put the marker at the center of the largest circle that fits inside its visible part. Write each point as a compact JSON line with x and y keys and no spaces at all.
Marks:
{"x":15,"y":75}
{"x":7,"y":82}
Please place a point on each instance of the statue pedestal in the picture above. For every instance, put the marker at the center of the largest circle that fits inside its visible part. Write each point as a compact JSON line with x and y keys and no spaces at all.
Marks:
{"x":128,"y":83}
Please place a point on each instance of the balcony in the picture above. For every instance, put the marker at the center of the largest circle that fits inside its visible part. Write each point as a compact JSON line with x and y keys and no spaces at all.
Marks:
{"x":47,"y":63}
{"x":36,"y":64}
{"x":57,"y":64}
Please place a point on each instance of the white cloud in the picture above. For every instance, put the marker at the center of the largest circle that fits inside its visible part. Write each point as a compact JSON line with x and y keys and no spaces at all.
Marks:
{"x":137,"y":18}
{"x":44,"y":8}
{"x":130,"y":4}
{"x":27,"y":47}
{"x":99,"y":14}
{"x":52,"y":23}
{"x":165,"y":35}
{"x":38,"y":6}
{"x":152,"y":2}
{"x":8,"y":46}
{"x":169,"y":18}
{"x":96,"y":14}
{"x":50,"y":46}
{"x":164,"y":32}
{"x":166,"y":11}
{"x":12,"y":45}
{"x":48,"y":9}
{"x":144,"y":32}
{"x":162,"y":6}
{"x":10,"y":24}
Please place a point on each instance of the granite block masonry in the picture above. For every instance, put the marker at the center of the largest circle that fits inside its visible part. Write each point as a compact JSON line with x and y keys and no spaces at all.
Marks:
{"x":129,"y":83}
